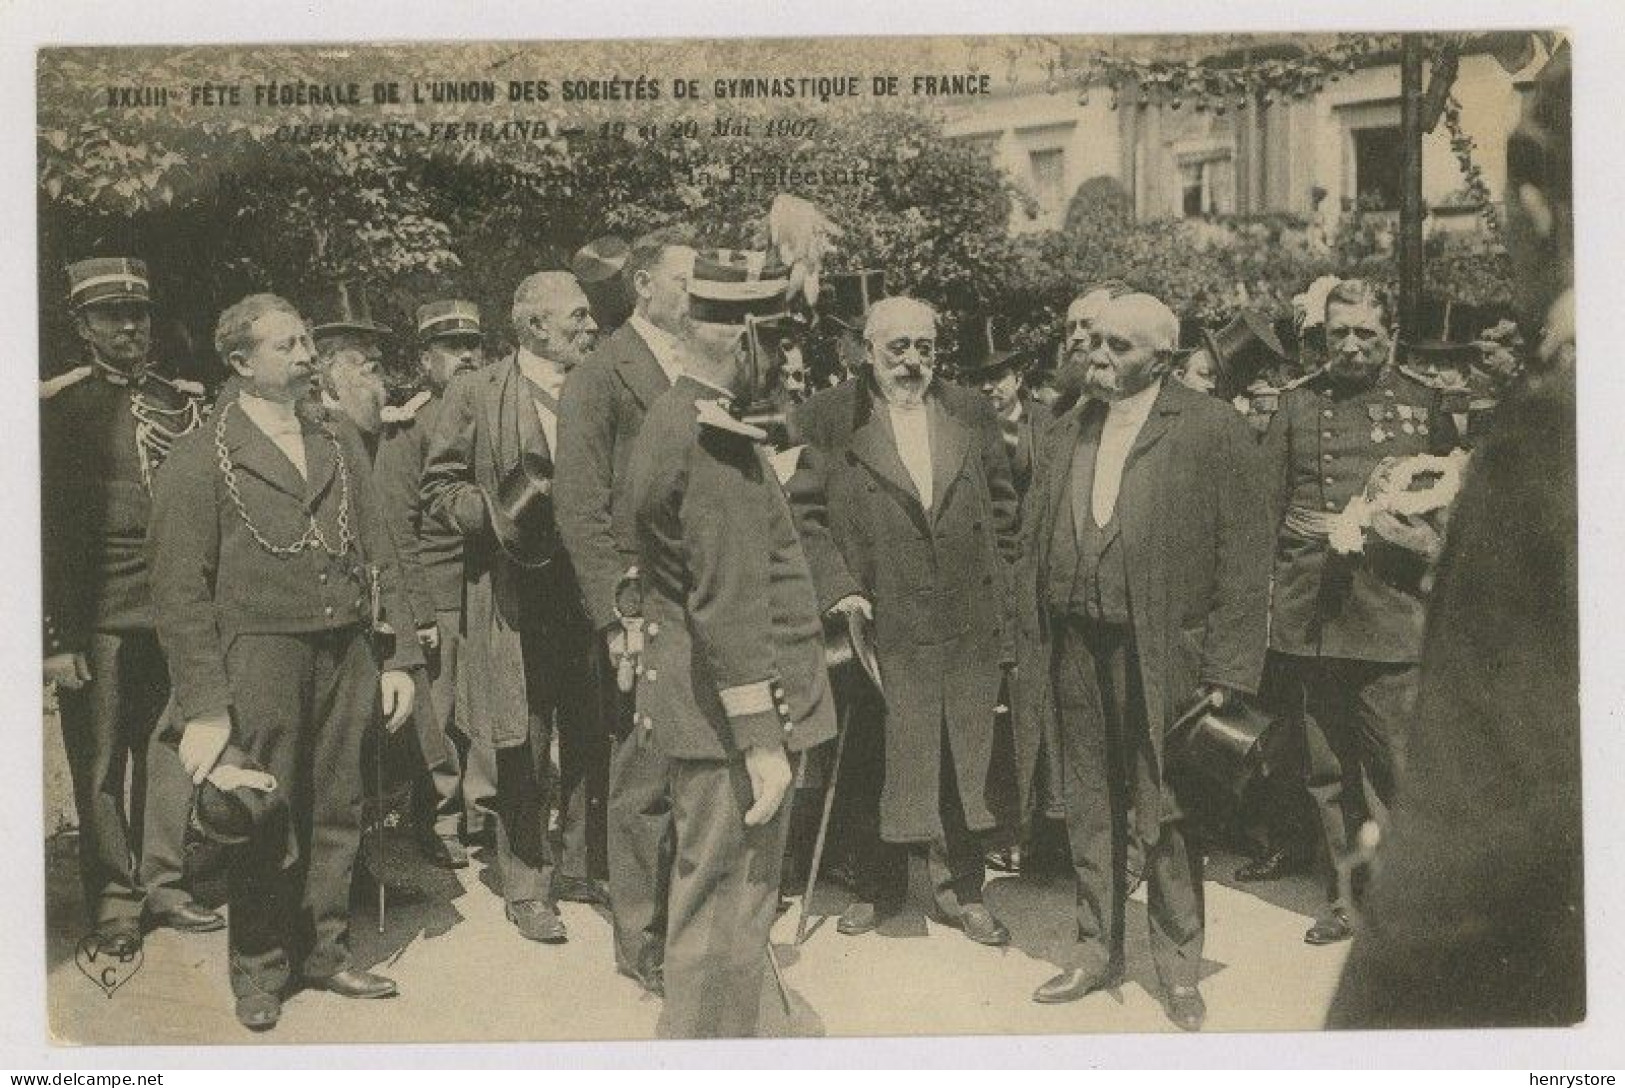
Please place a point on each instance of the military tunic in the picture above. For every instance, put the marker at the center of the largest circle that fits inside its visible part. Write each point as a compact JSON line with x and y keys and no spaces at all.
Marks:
{"x":733,"y":658}
{"x":1344,"y":636}
{"x":104,"y":436}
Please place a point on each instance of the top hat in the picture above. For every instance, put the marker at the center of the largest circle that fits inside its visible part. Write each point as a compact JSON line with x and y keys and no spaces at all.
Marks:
{"x":1243,"y":349}
{"x":522,"y":512}
{"x":97,"y":280}
{"x":851,"y":642}
{"x":985,"y":350}
{"x":845,"y":297}
{"x":1220,"y":740}
{"x":448,"y":317}
{"x":350,"y":313}
{"x":234,"y":816}
{"x":1447,"y":330}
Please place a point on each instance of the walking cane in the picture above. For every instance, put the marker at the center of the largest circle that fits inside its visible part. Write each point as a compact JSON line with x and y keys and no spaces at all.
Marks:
{"x":378,"y":636}
{"x":823,"y":830}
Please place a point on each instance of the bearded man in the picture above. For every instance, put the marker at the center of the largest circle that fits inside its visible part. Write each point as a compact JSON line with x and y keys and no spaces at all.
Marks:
{"x":908,"y":514}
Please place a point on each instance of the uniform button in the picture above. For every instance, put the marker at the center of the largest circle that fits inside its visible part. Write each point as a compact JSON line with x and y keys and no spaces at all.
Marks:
{"x":1325,"y":434}
{"x":1327,"y":480}
{"x":1327,"y":412}
{"x":1326,"y":457}
{"x":328,"y":610}
{"x":650,"y":675}
{"x":652,"y":630}
{"x":322,"y":577}
{"x":1330,"y":505}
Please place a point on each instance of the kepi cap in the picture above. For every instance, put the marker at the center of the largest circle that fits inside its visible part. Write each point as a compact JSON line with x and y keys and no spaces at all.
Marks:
{"x":448,"y":317}
{"x":97,"y":280}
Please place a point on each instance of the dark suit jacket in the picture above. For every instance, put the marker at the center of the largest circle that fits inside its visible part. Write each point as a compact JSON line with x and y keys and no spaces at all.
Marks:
{"x":489,"y":416}
{"x":733,"y":653}
{"x":600,"y":412}
{"x":212,"y":581}
{"x":938,"y":580}
{"x":1196,"y":536}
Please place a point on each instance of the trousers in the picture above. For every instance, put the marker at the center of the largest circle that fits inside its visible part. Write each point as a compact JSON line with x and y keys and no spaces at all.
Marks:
{"x":462,"y":776}
{"x":880,"y":869}
{"x":1353,"y":722}
{"x":560,"y":688}
{"x":723,"y":899}
{"x":641,"y":848}
{"x":301,"y":705}
{"x":1105,"y":753}
{"x":130,"y":851}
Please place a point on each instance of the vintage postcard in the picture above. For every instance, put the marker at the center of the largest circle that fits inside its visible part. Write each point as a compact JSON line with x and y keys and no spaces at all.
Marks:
{"x":608,"y":540}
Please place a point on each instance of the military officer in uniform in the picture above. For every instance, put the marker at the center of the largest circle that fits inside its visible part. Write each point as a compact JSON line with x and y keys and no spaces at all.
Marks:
{"x":460,"y":769}
{"x":106,"y":428}
{"x":732,"y":673}
{"x":271,"y":571}
{"x":1344,"y":639}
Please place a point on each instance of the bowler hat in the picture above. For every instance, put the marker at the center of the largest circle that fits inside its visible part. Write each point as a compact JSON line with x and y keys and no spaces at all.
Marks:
{"x":522,"y":512}
{"x":234,"y":816}
{"x":1243,"y":349}
{"x":1220,"y":739}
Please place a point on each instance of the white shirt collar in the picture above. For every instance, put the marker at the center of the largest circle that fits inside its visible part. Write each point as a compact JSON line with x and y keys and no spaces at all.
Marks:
{"x":274,"y":417}
{"x":1132,"y":410}
{"x":544,"y":372}
{"x":662,"y":344}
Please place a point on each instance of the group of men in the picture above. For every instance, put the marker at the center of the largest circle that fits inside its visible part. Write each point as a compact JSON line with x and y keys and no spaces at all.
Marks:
{"x":590,"y":545}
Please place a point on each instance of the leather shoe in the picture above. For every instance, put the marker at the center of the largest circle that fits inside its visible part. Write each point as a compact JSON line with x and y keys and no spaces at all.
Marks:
{"x":259,"y":1011}
{"x":189,"y":918}
{"x":579,"y":889}
{"x":1185,"y":1007}
{"x":444,"y":851}
{"x":1330,"y":928}
{"x":354,"y":982}
{"x":857,"y":919}
{"x":979,"y":925}
{"x":537,"y":921}
{"x":1007,"y":860}
{"x":119,"y":939}
{"x":1272,"y":866}
{"x":1076,"y":983}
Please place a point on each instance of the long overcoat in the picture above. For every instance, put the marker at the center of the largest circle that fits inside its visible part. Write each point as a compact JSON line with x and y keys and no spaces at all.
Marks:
{"x":487,"y":419}
{"x":938,"y":579}
{"x":1196,"y":535}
